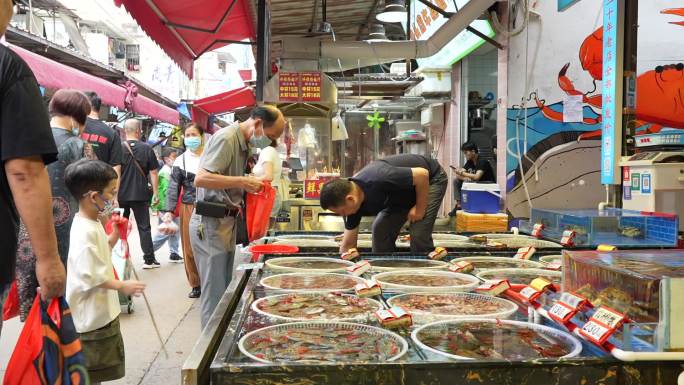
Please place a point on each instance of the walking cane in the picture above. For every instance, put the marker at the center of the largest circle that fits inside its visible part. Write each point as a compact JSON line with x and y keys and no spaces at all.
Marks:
{"x":123,"y":229}
{"x":154,"y":322}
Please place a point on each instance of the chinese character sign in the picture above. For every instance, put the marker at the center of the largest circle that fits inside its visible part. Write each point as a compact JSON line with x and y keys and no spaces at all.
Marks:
{"x":612,"y":97}
{"x":289,"y":87}
{"x":300,"y":87}
{"x":312,"y":188}
{"x":311,"y":86}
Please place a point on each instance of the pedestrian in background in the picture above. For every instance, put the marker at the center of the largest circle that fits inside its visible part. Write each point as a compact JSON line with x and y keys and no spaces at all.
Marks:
{"x":138,"y":185}
{"x":68,"y":110}
{"x":167,"y":228}
{"x":269,"y":168}
{"x":26,"y":146}
{"x":182,"y":187}
{"x":104,"y":140}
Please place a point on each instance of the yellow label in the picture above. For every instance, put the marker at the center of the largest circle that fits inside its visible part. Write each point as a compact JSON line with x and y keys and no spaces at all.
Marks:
{"x":540,"y":284}
{"x":606,"y":248}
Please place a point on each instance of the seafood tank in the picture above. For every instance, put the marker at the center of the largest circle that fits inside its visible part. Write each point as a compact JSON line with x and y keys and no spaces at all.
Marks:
{"x":280,"y":332}
{"x":645,"y":285}
{"x":617,"y":227}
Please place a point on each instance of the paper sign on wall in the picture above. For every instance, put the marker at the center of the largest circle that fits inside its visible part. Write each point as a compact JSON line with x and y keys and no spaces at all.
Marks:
{"x":646,"y":184}
{"x":636,"y":181}
{"x":573,"y":109}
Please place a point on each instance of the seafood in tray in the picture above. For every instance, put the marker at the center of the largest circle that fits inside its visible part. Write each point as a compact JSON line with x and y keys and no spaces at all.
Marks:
{"x":403,"y":264}
{"x":488,"y":263}
{"x":320,"y":282}
{"x":303,"y":264}
{"x":316,"y":306}
{"x":495,"y":339}
{"x":551,"y":260}
{"x":331,"y":342}
{"x":520,"y":276}
{"x":431,"y":307}
{"x":513,"y":241}
{"x":425,"y":281}
{"x":303,"y":242}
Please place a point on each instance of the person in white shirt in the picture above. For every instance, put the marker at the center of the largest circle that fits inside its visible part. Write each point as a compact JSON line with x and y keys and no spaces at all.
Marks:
{"x":269,"y":167}
{"x":91,"y":288}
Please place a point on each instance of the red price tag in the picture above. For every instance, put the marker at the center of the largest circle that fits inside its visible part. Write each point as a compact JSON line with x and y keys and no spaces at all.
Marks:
{"x":554,"y":266}
{"x":609,"y":317}
{"x":530,"y":293}
{"x":461,"y":267}
{"x":568,"y":238}
{"x":596,"y":332}
{"x":561,"y":312}
{"x":525,"y":252}
{"x":494,"y":287}
{"x":537,"y":230}
{"x":575,"y":301}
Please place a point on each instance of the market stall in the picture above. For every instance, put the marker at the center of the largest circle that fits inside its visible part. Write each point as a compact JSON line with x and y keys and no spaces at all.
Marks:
{"x":276,"y":326}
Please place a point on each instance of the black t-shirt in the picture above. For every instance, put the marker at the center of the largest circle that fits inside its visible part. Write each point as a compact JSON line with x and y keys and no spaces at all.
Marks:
{"x":104,"y":140}
{"x":388,"y":184}
{"x":24,"y":131}
{"x":472,"y":168}
{"x":133,"y":187}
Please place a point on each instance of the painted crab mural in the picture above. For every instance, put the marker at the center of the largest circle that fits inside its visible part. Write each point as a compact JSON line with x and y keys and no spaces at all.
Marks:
{"x":660,"y":91}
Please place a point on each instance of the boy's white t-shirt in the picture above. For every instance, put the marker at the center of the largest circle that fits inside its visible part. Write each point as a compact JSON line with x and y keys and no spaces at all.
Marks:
{"x":88,"y":266}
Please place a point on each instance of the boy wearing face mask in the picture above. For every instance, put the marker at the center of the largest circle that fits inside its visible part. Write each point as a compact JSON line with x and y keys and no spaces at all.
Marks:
{"x":91,"y":286}
{"x":221,"y":182}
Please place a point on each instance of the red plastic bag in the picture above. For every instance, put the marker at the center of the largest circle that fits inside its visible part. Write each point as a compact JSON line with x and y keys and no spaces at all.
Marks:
{"x":11,"y":307}
{"x":48,"y":350}
{"x":259,"y":206}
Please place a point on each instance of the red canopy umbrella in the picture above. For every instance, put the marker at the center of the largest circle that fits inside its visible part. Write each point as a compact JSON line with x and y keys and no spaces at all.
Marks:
{"x":221,"y":104}
{"x":187,"y":29}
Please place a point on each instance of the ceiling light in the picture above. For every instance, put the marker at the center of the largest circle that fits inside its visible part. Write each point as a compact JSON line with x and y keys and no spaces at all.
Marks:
{"x":376,"y":33}
{"x":394,"y":12}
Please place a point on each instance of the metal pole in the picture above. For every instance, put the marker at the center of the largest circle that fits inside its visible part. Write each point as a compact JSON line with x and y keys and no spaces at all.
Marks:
{"x":262,"y":46}
{"x":408,"y":35}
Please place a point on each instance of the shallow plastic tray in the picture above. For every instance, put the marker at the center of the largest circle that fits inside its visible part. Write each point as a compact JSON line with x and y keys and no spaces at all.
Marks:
{"x":428,"y":264}
{"x":471,"y":282}
{"x":267,"y":282}
{"x":376,"y":305}
{"x":510,"y":262}
{"x":550,"y":259}
{"x":570,"y":342}
{"x":274,"y":264}
{"x":318,"y":242}
{"x":507,"y":308}
{"x":371,"y":331}
{"x":519,"y":276}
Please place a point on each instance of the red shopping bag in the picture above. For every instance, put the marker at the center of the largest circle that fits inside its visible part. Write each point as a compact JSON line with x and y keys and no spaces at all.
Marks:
{"x":259,"y":206}
{"x":48,"y":350}
{"x":11,"y":307}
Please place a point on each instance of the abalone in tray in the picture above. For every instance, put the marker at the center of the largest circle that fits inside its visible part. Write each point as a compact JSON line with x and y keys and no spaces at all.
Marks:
{"x":520,"y":276}
{"x":303,"y":264}
{"x":489,"y":263}
{"x":403,"y":264}
{"x":321,"y":282}
{"x":425,"y":281}
{"x":322,"y":342}
{"x":436,"y":306}
{"x":487,"y":339}
{"x":316,"y":306}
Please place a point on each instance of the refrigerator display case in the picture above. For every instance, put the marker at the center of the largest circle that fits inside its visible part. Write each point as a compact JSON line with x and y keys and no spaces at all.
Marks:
{"x":617,"y":227}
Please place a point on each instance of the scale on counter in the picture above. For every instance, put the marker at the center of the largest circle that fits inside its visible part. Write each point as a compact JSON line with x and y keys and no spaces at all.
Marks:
{"x":663,"y":138}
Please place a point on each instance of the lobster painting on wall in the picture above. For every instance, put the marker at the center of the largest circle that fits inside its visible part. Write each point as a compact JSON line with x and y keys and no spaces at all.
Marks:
{"x":551,"y":163}
{"x":660,"y":91}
